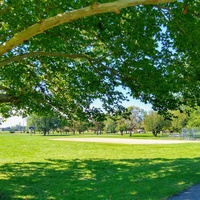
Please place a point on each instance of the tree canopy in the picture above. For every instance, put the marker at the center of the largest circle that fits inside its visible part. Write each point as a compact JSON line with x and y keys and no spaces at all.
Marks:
{"x":62,"y":55}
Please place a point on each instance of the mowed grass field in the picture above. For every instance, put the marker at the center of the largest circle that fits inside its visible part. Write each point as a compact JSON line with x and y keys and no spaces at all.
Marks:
{"x":36,"y":167}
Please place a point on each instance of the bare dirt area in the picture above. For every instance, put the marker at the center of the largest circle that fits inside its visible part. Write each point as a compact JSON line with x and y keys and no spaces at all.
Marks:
{"x":126,"y":141}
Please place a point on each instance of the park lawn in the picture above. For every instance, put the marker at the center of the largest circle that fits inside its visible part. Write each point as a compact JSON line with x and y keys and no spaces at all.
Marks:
{"x":36,"y":167}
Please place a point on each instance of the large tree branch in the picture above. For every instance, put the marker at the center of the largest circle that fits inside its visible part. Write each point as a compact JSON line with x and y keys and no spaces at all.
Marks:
{"x":51,"y":22}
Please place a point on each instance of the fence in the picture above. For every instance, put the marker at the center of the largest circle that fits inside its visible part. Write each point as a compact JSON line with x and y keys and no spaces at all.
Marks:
{"x":191,"y":134}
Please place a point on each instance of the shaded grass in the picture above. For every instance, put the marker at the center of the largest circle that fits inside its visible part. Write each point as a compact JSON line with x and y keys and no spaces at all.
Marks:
{"x":34,"y":167}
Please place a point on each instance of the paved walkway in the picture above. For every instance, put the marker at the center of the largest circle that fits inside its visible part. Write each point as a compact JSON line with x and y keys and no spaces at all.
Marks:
{"x":192,"y":193}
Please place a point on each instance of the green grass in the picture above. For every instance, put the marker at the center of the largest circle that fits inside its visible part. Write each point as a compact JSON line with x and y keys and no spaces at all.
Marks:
{"x":35,"y":167}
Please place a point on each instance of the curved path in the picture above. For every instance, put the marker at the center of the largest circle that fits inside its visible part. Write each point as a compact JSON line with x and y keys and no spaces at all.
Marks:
{"x":192,"y":193}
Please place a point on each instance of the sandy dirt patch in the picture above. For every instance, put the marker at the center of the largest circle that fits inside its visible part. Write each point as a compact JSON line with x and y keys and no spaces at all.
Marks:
{"x":126,"y":141}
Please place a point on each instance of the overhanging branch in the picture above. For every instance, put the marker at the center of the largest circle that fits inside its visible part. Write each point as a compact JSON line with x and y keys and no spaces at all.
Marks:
{"x":59,"y":19}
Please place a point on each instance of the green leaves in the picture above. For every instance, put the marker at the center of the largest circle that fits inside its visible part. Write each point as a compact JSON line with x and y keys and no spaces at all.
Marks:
{"x":153,"y":50}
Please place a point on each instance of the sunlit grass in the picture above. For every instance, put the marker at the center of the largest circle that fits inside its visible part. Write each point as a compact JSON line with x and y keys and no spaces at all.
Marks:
{"x":35,"y":167}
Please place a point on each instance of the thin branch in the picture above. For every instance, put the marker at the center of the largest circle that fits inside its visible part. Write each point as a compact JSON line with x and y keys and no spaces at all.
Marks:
{"x":56,"y":54}
{"x":4,"y":10}
{"x":41,"y":53}
{"x":162,"y":10}
{"x":5,"y":98}
{"x":3,"y":88}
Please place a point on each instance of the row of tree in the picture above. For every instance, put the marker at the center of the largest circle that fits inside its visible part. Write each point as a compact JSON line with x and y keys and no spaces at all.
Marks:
{"x":133,"y":120}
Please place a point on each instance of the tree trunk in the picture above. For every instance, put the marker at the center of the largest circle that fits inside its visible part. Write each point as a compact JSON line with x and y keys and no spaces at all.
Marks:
{"x":154,"y":133}
{"x":45,"y":132}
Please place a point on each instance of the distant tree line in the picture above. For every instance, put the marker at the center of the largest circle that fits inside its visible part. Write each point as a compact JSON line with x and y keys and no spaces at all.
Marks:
{"x":14,"y":128}
{"x":132,"y":120}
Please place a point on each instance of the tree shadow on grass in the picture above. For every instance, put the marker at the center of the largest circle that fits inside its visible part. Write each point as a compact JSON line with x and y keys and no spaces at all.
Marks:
{"x":122,"y":179}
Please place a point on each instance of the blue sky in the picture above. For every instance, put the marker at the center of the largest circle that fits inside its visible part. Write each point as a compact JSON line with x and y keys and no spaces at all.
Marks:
{"x":131,"y":102}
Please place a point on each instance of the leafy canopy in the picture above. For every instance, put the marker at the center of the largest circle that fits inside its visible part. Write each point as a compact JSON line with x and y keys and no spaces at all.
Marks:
{"x":62,"y":55}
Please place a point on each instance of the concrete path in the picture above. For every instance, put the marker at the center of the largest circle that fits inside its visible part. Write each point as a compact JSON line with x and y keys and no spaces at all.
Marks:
{"x":192,"y":193}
